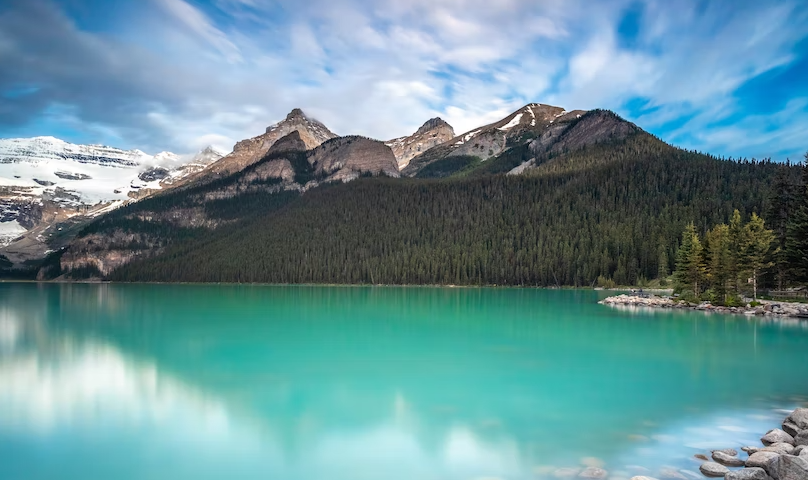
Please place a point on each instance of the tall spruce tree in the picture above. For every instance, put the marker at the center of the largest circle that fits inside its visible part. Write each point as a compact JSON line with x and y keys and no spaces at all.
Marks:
{"x":781,"y":207}
{"x":690,"y":266}
{"x":756,"y":251}
{"x":719,"y":261}
{"x":797,"y":232}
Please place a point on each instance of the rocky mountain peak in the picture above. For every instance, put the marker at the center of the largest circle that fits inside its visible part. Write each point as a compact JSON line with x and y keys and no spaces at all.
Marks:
{"x":295,"y":114}
{"x":432,"y":124}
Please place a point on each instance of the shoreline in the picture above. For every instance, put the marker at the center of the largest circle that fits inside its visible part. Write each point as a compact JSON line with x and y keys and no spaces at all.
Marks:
{"x":768,"y":308}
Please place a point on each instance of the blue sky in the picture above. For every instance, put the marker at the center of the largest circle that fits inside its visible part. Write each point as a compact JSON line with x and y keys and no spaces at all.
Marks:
{"x":726,"y":77}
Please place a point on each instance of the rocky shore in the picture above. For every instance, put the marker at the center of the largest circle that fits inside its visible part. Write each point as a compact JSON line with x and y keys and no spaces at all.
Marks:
{"x":783,"y":456}
{"x":766,"y":307}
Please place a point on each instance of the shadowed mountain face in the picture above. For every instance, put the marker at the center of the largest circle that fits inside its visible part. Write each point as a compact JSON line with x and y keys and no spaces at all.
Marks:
{"x":545,"y":128}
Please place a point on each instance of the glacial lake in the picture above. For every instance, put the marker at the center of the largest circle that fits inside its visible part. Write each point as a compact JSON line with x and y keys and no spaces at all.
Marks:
{"x":338,"y":383}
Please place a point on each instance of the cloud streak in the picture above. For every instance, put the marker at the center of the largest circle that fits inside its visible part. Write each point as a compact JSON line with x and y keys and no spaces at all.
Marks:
{"x":185,"y":72}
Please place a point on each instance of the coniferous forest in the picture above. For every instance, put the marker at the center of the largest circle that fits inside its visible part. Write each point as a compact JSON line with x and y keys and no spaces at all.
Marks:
{"x":612,"y":212}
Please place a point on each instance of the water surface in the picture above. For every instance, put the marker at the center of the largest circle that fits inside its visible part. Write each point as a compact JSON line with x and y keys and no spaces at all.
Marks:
{"x":188,"y":381}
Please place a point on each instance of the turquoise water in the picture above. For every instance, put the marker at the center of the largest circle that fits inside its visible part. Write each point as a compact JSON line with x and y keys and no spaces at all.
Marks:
{"x":187,"y":381}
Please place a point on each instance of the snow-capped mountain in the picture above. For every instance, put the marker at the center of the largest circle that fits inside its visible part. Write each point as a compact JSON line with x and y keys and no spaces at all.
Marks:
{"x":46,"y":173}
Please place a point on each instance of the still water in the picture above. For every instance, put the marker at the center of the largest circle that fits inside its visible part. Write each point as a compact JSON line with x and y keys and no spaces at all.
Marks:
{"x":188,"y":381}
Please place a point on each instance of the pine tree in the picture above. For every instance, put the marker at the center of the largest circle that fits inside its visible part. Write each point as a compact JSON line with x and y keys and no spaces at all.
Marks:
{"x":781,"y":207}
{"x":756,"y":251}
{"x":736,"y":242}
{"x":797,"y":231}
{"x":719,"y":260}
{"x":690,"y":267}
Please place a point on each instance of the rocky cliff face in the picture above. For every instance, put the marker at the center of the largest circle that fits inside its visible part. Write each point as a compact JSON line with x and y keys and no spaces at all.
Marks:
{"x":432,"y":133}
{"x":246,"y":152}
{"x":346,"y":158}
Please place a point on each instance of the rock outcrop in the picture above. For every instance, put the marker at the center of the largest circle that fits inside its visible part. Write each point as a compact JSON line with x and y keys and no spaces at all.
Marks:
{"x":346,"y":158}
{"x":432,"y":133}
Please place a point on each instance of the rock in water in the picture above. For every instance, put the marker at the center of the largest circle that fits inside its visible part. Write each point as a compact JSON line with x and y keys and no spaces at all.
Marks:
{"x":729,"y":460}
{"x":789,"y":467}
{"x":748,"y":474}
{"x":594,"y":473}
{"x":701,"y":456}
{"x":798,"y":420}
{"x":750,"y":450}
{"x":781,"y":448}
{"x":728,"y":451}
{"x":712,"y":469}
{"x":776,"y":436}
{"x":761,"y":459}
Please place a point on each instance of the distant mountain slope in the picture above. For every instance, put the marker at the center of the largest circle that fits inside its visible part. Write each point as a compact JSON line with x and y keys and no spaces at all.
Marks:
{"x":44,"y":181}
{"x":522,"y":126}
{"x":249,"y":151}
{"x":432,"y":133}
{"x":144,"y":229}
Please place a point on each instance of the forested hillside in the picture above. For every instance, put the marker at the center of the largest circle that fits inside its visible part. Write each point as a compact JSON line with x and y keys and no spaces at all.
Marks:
{"x":615,"y":209}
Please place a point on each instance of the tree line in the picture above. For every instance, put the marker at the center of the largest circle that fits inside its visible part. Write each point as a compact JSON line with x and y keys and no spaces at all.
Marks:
{"x":737,"y":257}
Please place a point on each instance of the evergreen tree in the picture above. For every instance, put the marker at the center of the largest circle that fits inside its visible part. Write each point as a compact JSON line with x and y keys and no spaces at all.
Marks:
{"x":757,"y":247}
{"x":690,"y":267}
{"x":736,"y":242}
{"x":781,"y":206}
{"x":719,"y":258}
{"x":797,"y":232}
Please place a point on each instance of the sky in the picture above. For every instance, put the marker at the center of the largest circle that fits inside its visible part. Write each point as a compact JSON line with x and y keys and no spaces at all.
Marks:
{"x":728,"y":77}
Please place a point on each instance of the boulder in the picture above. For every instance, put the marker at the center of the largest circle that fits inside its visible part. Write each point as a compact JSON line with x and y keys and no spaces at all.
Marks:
{"x":776,"y":436}
{"x":748,"y":474}
{"x":728,"y":451}
{"x":761,"y":459}
{"x":712,"y":469}
{"x":781,"y":448}
{"x":796,"y":421}
{"x":798,"y":449}
{"x":804,"y":453}
{"x":750,"y":450}
{"x":789,"y":467}
{"x":801,"y":438}
{"x":729,"y":460}
{"x":596,"y":473}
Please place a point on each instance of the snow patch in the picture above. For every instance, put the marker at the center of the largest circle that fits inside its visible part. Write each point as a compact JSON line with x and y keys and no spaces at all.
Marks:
{"x":514,"y":122}
{"x":9,"y":231}
{"x":467,"y":137}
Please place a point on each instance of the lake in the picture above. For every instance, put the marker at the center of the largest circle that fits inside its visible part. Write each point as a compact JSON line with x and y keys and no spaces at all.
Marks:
{"x":192,"y":381}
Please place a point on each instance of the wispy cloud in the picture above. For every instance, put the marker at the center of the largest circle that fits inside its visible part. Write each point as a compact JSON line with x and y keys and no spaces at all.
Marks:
{"x":717,"y":76}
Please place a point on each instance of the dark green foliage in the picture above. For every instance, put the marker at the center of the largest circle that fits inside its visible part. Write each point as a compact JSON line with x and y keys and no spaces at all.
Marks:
{"x":448,"y":166}
{"x":599,"y":212}
{"x":797,"y":230}
{"x":5,"y":263}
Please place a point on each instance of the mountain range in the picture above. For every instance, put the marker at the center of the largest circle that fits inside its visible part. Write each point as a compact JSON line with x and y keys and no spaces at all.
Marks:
{"x":271,"y":187}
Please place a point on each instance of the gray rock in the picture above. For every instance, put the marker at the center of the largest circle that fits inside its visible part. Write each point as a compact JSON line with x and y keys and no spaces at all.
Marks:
{"x":804,"y":453}
{"x":781,"y":448}
{"x":712,"y":469}
{"x":729,"y":460}
{"x":796,"y":421}
{"x":776,"y":436}
{"x":789,"y":467}
{"x":594,"y":472}
{"x":750,"y":450}
{"x":748,"y":474}
{"x":761,"y":459}
{"x":801,"y":438}
{"x":798,"y":449}
{"x":728,"y":451}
